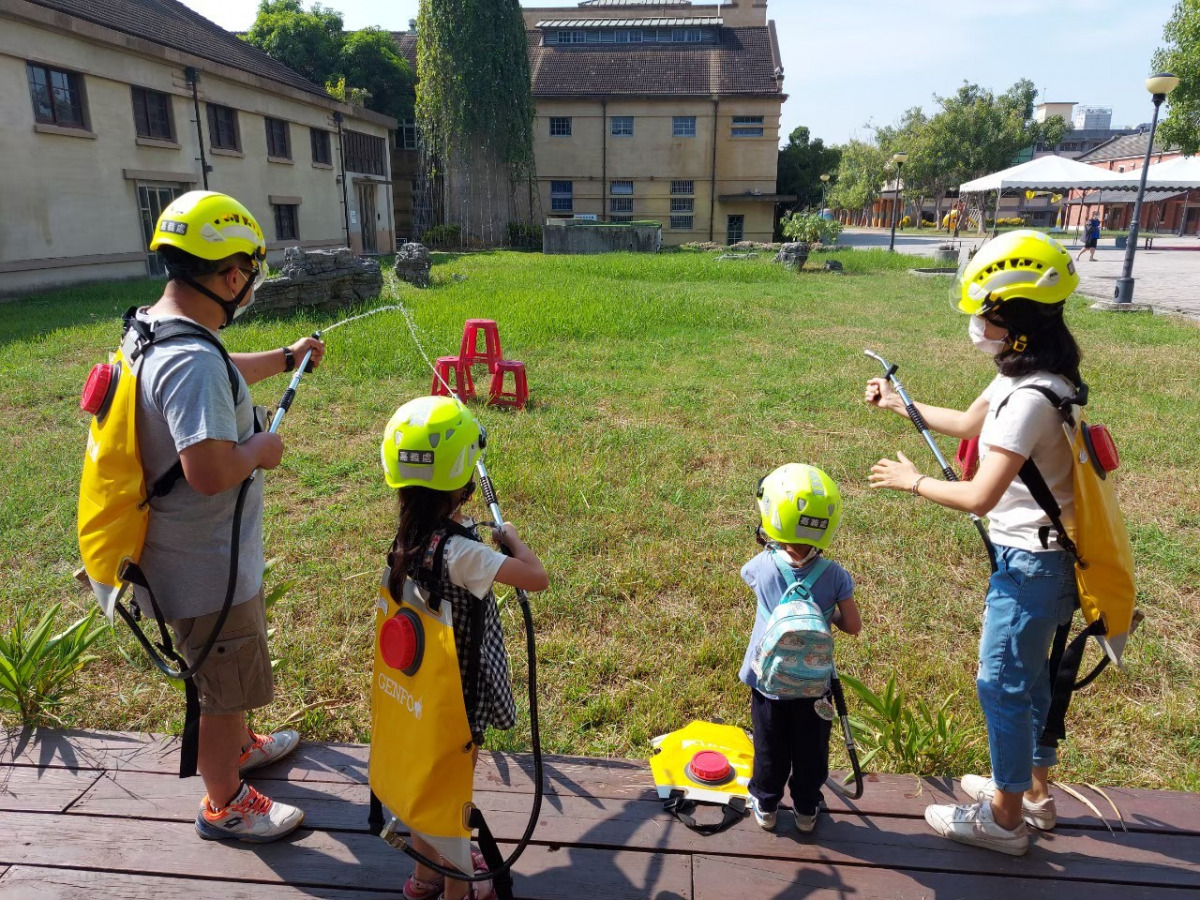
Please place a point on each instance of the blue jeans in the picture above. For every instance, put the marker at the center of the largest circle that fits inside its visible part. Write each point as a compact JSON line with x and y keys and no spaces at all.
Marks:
{"x":1029,"y":596}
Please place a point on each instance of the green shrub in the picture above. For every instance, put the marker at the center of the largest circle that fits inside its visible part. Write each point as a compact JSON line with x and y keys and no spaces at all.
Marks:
{"x":37,"y":669}
{"x":522,"y":236}
{"x":905,"y":222}
{"x":810,"y":228}
{"x":1013,"y":222}
{"x":925,"y":742}
{"x":441,"y":236}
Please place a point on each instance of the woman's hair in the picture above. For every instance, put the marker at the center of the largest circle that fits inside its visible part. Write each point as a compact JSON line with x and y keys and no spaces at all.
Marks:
{"x":1050,"y":347}
{"x":422,"y":512}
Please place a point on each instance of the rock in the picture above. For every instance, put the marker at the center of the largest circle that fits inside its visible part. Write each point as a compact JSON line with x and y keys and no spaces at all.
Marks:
{"x":794,"y":254}
{"x":322,"y":279}
{"x":413,"y":264}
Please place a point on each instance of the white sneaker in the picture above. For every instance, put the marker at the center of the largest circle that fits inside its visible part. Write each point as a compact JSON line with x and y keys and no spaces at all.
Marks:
{"x":250,"y":817}
{"x":974,"y":825}
{"x":1042,"y":815}
{"x":765,"y":820}
{"x":265,"y":749}
{"x":805,"y":823}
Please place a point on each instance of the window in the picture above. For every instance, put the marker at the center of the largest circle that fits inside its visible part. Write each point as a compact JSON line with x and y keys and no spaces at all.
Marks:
{"x":621,"y":188}
{"x":320,"y":146}
{"x":609,"y":36}
{"x":57,"y":96}
{"x":223,"y":128}
{"x":747,"y":126}
{"x":681,"y":223}
{"x":365,"y":153}
{"x":682,"y":205}
{"x":620,"y":204}
{"x":593,"y":37}
{"x":683,"y":126}
{"x":562,"y":196}
{"x":406,"y":135}
{"x":735,"y":229}
{"x":620,"y":220}
{"x":278,"y":143}
{"x":622,"y":126}
{"x":285,"y":222}
{"x":578,"y":37}
{"x":560,"y":126}
{"x":152,"y":114}
{"x":683,"y":187}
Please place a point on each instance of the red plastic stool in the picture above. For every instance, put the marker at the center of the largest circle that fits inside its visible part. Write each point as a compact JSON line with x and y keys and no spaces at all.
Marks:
{"x":520,"y":392}
{"x":462,"y":384}
{"x":469,"y":353}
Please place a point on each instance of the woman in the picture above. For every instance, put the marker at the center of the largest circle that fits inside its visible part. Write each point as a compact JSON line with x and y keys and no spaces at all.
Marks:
{"x":1014,"y":289}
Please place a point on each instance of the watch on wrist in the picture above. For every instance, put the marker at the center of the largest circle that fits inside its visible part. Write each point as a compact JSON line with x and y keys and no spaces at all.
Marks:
{"x":289,"y":359}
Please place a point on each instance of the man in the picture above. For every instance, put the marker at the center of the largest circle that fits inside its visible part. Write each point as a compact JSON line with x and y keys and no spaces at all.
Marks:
{"x":194,"y":409}
{"x":1091,"y":237}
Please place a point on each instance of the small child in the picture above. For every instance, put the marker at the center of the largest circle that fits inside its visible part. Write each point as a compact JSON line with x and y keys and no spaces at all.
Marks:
{"x":431,"y":499}
{"x":800,"y":507}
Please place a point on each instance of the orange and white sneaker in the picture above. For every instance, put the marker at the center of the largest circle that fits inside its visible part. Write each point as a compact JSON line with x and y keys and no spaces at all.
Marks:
{"x":249,"y":817}
{"x":265,"y":749}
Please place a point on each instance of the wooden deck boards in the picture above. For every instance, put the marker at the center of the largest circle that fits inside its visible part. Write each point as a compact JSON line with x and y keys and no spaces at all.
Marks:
{"x":103,"y":814}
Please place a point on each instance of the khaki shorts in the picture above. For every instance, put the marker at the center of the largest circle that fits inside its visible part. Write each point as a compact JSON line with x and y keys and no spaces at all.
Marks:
{"x":236,"y":677}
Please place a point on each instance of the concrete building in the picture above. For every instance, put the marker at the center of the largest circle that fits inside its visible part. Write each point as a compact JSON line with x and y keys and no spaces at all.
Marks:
{"x":99,"y":101}
{"x":658,"y":110}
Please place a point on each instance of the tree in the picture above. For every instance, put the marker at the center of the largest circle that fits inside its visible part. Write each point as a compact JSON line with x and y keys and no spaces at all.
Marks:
{"x":359,"y":67}
{"x":307,"y":42}
{"x":475,"y":110}
{"x":801,"y":165}
{"x":860,"y":176}
{"x":1181,"y":56}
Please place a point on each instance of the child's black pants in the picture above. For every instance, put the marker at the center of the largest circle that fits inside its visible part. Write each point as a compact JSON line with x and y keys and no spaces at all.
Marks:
{"x":789,"y":739}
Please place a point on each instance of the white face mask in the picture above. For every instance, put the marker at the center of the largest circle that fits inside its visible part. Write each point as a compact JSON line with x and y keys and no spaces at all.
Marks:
{"x":976,"y":330}
{"x":237,"y":313}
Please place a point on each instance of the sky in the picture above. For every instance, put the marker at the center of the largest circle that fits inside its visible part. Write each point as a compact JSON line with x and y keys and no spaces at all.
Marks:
{"x":849,"y":66}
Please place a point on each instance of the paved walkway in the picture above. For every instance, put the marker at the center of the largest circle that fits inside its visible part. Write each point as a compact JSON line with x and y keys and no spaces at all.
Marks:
{"x":1166,"y":277}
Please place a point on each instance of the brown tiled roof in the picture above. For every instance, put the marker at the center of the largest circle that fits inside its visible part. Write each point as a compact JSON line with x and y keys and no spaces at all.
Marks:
{"x":1125,"y":146}
{"x":742,"y":62}
{"x":171,"y":24}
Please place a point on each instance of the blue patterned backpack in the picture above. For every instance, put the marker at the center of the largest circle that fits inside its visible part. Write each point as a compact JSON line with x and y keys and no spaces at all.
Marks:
{"x":795,"y":657}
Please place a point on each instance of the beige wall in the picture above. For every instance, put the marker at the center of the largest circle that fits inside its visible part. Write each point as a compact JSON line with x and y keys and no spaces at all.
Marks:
{"x":738,"y":14}
{"x":71,"y":194}
{"x":653,"y":157}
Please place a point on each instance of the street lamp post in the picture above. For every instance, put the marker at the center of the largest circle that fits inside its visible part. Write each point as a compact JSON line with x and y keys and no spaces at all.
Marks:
{"x":899,"y":159}
{"x":824,"y":185}
{"x":1159,"y":86}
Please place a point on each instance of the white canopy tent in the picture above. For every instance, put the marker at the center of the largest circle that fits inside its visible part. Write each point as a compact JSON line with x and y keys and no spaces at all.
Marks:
{"x":1179,"y":174}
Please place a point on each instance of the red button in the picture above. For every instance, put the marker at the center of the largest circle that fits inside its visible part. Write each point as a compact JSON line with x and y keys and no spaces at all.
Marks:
{"x":710,"y":767}
{"x":97,"y":392}
{"x":400,"y":642}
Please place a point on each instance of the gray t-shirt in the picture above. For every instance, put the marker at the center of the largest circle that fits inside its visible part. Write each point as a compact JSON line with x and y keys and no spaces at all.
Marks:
{"x":183,"y":399}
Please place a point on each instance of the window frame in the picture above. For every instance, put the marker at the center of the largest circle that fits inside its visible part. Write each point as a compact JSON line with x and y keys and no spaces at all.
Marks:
{"x":620,"y":205}
{"x":741,"y":228}
{"x":167,"y":113}
{"x":562,"y":199}
{"x":683,"y":187}
{"x":683,"y":205}
{"x":407,"y":134}
{"x":284,"y":134}
{"x":216,"y":129}
{"x":625,"y":121}
{"x":293,"y":213}
{"x":683,"y":223}
{"x":558,"y":122}
{"x":687,"y":122}
{"x":321,"y":137}
{"x":75,"y":95}
{"x":614,"y":191}
{"x":748,"y":126}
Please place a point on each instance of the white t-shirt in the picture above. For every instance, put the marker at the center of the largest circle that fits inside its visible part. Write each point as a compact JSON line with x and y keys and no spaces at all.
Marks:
{"x":471,"y":565}
{"x":1028,"y":425}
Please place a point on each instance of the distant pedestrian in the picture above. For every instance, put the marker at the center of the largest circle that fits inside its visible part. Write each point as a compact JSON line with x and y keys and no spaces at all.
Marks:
{"x":1091,"y":237}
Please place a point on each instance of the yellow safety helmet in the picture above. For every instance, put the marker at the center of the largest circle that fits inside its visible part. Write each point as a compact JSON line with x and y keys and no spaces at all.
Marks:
{"x":800,"y":504}
{"x":431,"y":442}
{"x":211,"y":226}
{"x":1023,"y":263}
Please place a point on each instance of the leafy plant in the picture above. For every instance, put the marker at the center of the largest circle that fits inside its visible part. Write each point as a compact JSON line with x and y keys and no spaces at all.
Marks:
{"x":524,"y":237}
{"x":916,"y":739}
{"x":37,"y":669}
{"x":905,"y":222}
{"x":442,"y":236}
{"x":810,"y":228}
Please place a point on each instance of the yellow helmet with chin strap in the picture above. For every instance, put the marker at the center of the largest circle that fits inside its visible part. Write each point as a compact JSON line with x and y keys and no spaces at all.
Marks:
{"x":800,"y":504}
{"x":211,"y":226}
{"x":1023,"y":264}
{"x":431,"y":442}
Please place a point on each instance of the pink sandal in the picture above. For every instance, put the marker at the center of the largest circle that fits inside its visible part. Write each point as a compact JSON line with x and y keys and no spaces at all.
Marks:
{"x":416,"y":889}
{"x":478,"y":890}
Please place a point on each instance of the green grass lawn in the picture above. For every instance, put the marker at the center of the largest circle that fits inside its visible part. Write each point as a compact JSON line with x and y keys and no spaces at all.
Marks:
{"x":663,"y":388}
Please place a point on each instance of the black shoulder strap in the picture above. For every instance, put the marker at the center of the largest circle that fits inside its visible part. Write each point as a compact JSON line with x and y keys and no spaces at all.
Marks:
{"x":158,"y":333}
{"x":682,"y":808}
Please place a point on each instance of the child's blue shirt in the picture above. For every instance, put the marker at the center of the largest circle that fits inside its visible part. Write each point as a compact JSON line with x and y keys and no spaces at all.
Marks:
{"x":767,"y":582}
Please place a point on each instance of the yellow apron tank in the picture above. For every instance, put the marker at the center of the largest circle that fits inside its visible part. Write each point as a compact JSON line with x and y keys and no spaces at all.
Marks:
{"x":113,"y":515}
{"x":421,"y":765}
{"x":707,"y":762}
